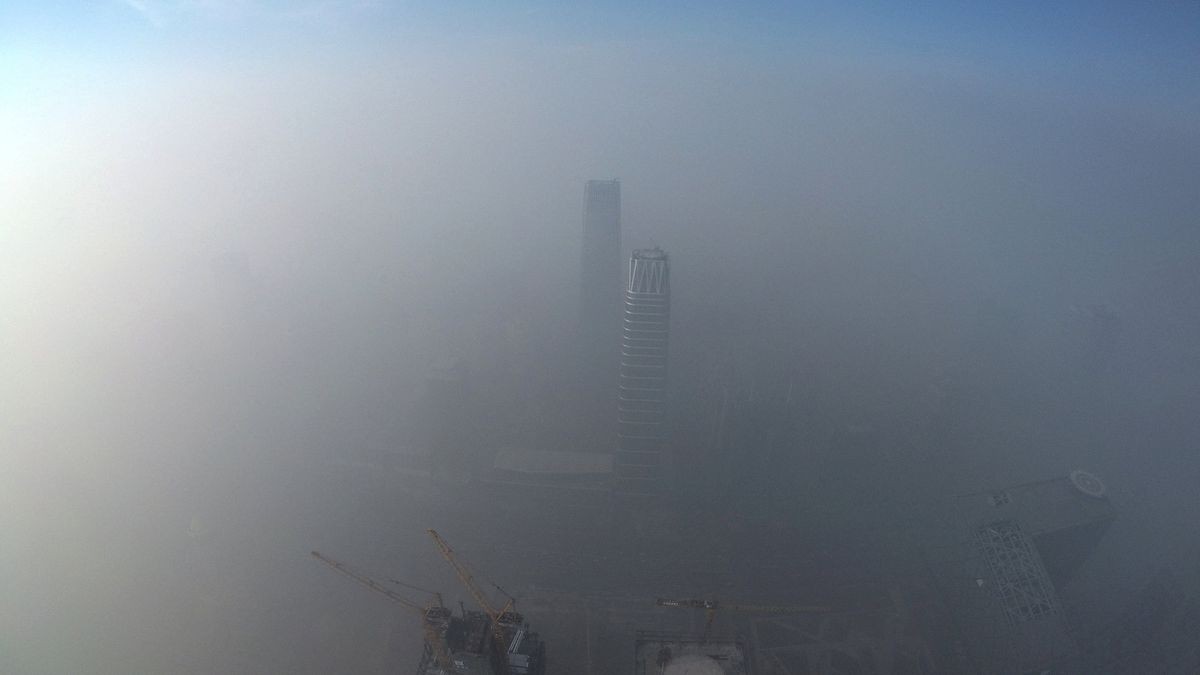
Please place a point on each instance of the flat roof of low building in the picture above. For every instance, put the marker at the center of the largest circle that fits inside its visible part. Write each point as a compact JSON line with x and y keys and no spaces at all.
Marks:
{"x":657,"y":653}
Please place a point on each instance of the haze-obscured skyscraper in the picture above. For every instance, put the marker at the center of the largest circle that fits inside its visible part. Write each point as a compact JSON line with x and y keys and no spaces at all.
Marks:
{"x":600,"y":282}
{"x":641,"y":400}
{"x":1000,"y":561}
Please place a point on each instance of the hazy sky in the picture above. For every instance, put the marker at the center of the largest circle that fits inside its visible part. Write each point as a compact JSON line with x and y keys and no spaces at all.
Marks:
{"x":359,"y":147}
{"x":231,"y":227}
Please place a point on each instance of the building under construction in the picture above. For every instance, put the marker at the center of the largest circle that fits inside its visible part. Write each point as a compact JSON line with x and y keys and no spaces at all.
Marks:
{"x":488,"y":642}
{"x":496,"y":641}
{"x":469,"y":644}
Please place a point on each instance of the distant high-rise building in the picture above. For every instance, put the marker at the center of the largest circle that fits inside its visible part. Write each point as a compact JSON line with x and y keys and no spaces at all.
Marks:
{"x":641,"y":401}
{"x":599,"y":306}
{"x":1001,"y":560}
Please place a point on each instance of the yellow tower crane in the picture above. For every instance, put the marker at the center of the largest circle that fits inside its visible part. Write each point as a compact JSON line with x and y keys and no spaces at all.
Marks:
{"x":499,"y":617}
{"x":434,"y":615}
{"x":710,"y":608}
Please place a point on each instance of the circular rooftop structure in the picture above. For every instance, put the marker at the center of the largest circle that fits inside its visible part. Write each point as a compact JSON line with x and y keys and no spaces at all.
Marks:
{"x":1088,"y":483}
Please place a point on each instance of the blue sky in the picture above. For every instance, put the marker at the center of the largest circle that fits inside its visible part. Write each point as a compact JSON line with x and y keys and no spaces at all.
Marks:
{"x":1156,"y":39}
{"x":1142,"y":54}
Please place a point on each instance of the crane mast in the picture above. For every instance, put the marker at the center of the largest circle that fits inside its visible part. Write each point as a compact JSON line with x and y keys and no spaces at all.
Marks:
{"x":498,"y":617}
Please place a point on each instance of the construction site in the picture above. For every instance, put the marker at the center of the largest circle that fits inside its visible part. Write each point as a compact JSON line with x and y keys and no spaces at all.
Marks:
{"x":473,"y":642}
{"x":978,"y":593}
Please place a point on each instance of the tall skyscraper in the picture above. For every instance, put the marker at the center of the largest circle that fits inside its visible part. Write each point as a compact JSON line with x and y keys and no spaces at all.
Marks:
{"x":641,"y":400}
{"x":600,"y":295}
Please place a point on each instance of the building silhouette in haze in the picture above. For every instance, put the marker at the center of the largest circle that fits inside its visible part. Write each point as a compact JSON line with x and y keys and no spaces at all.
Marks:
{"x":641,"y":400}
{"x":600,"y":283}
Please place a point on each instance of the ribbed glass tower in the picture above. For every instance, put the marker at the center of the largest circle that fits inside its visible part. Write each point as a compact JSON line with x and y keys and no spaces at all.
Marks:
{"x":641,"y":401}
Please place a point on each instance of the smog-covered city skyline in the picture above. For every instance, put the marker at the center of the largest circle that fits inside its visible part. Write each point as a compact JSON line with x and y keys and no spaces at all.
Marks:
{"x":285,"y":276}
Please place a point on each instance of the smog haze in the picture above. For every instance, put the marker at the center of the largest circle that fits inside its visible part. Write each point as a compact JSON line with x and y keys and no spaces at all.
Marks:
{"x":915,"y":253}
